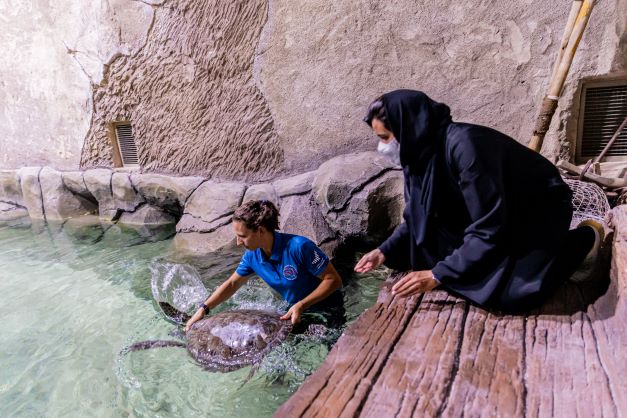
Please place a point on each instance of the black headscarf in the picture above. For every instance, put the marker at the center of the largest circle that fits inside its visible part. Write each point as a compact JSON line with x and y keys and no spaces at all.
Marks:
{"x":419,"y":124}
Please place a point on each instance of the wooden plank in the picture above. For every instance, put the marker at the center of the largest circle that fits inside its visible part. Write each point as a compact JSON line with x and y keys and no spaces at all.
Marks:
{"x":564,"y":374}
{"x":418,"y":374}
{"x":608,"y":316}
{"x":340,"y":386}
{"x":490,"y":380}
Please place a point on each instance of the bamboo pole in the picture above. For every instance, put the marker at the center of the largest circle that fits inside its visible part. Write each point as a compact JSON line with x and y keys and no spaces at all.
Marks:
{"x":568,"y":30}
{"x":549,"y":103}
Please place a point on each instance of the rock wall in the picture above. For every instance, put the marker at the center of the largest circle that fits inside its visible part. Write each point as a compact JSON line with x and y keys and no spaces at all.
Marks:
{"x":52,"y":54}
{"x":490,"y":61}
{"x":253,"y":90}
{"x":353,"y":196}
{"x":190,"y":95}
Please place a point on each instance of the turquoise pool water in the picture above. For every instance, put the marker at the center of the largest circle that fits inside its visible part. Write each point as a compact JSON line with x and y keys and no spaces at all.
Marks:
{"x":73,"y":296}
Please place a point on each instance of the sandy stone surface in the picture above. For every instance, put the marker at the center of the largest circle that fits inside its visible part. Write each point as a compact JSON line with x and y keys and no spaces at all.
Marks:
{"x":490,"y":61}
{"x":251,"y":90}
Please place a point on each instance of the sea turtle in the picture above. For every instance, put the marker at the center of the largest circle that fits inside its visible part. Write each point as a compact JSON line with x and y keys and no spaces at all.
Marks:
{"x":228,"y":340}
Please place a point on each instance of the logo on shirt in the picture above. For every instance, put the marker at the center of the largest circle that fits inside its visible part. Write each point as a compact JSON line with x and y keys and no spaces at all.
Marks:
{"x":290,"y":272}
{"x":316,"y":258}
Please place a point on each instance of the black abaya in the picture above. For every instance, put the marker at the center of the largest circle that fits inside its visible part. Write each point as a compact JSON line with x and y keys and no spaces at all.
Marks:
{"x":487,"y":215}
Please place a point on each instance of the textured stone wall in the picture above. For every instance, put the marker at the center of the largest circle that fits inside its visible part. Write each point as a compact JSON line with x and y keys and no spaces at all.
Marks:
{"x":51,"y":54}
{"x":190,"y":95}
{"x":490,"y":61}
{"x":268,"y":88}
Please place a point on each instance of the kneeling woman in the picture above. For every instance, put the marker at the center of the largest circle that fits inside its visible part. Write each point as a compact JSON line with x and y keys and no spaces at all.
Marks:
{"x":290,"y":264}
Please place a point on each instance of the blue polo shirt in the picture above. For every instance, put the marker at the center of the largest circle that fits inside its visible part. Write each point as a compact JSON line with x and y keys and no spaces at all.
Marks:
{"x":292,"y":269}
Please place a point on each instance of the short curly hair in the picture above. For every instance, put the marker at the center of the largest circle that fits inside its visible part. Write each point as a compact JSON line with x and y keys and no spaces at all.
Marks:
{"x":256,"y":213}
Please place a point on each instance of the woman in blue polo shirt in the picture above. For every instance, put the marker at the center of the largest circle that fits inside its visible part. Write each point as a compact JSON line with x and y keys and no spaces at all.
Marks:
{"x":290,"y":264}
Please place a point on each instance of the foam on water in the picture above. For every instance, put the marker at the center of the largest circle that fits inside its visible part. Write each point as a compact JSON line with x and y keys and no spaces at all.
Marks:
{"x":235,"y":335}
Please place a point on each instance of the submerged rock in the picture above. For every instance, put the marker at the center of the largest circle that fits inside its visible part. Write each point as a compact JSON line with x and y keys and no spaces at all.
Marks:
{"x":203,"y":243}
{"x":74,"y":182}
{"x":205,"y":224}
{"x":373,"y":212}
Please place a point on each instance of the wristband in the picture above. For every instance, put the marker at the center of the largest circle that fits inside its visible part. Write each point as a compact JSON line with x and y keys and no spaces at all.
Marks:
{"x":204,"y":308}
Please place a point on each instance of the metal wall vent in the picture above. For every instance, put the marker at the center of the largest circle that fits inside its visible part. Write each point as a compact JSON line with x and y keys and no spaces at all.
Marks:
{"x":604,"y":108}
{"x":126,"y":144}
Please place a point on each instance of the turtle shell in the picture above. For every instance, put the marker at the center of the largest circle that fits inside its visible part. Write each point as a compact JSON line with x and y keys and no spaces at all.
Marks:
{"x":233,"y":339}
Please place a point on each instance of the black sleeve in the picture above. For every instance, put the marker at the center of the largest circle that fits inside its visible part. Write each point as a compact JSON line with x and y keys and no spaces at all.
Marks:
{"x":396,"y":247}
{"x":481,"y":183}
{"x":397,"y":242}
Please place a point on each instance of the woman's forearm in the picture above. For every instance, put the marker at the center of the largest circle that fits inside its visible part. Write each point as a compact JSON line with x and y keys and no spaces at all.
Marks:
{"x":331,"y":281}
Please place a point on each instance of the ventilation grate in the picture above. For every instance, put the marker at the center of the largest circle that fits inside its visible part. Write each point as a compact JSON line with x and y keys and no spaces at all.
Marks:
{"x":604,"y":110}
{"x":126,"y":142}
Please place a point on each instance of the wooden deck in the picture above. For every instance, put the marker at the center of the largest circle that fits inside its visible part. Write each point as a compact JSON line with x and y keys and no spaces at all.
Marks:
{"x":439,"y":356}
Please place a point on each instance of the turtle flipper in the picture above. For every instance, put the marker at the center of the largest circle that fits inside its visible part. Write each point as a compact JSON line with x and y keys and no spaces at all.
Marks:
{"x":144,"y":345}
{"x":173,"y":314}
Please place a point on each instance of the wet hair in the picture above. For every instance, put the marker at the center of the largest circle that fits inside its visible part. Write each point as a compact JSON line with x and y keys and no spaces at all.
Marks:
{"x":256,"y":213}
{"x":377,"y":110}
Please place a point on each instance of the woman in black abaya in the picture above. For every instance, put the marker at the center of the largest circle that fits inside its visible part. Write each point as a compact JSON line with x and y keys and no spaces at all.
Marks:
{"x":485,"y":217}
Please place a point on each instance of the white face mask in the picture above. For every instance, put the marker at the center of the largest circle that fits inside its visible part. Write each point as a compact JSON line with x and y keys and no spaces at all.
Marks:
{"x":392,"y":150}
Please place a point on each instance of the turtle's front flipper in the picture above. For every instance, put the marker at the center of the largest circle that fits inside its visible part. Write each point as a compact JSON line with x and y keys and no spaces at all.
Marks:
{"x":173,"y":314}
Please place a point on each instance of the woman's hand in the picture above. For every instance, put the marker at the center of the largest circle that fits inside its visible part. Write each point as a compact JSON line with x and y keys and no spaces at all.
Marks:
{"x":370,"y":261}
{"x":197,"y":317}
{"x":294,"y":313}
{"x":414,"y":283}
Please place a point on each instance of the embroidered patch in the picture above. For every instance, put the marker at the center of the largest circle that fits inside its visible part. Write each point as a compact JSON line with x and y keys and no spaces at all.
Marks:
{"x":290,"y":272}
{"x":316,"y":258}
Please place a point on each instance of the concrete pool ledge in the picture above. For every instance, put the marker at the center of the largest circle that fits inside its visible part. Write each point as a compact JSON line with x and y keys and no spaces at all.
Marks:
{"x":439,"y":356}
